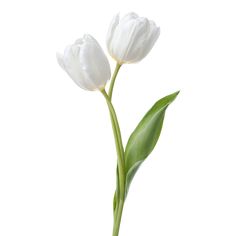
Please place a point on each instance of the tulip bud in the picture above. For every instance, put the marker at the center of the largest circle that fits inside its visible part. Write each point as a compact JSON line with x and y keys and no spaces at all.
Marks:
{"x":86,"y":63}
{"x":130,"y":38}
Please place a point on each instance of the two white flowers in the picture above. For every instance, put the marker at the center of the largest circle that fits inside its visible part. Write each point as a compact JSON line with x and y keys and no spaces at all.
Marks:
{"x":129,"y":40}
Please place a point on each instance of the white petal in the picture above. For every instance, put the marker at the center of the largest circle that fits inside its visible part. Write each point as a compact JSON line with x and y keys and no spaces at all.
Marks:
{"x":95,"y":64}
{"x":129,"y":16}
{"x":122,"y":38}
{"x":151,"y":40}
{"x":111,"y":30}
{"x":137,"y":40}
{"x":112,"y":26}
{"x":60,"y":60}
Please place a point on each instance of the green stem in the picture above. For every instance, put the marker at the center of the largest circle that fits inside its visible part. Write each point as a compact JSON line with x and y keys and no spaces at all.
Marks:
{"x":117,"y":221}
{"x":113,"y":79}
{"x":120,"y":163}
{"x":119,"y":146}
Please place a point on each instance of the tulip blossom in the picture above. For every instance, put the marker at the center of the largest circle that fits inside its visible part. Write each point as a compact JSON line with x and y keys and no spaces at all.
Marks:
{"x":86,"y":63}
{"x":130,"y":38}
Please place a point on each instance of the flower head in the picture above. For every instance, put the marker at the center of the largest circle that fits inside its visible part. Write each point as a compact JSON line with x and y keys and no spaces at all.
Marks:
{"x":130,"y":38}
{"x":86,"y":63}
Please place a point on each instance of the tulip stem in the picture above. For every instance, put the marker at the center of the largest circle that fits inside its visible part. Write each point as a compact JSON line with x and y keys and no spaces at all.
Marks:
{"x":116,"y":227}
{"x":113,"y":79}
{"x":120,"y":193}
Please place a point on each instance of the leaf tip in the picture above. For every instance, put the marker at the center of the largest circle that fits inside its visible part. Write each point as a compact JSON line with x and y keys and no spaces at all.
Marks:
{"x":177,"y":92}
{"x":174,"y":95}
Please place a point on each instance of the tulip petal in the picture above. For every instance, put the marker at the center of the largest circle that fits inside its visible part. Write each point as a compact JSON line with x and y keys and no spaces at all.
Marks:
{"x":93,"y":68}
{"x":60,"y":60}
{"x":112,"y":27}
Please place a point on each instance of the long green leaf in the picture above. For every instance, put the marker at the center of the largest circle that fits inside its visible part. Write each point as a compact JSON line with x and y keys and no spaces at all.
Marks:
{"x":144,"y":138}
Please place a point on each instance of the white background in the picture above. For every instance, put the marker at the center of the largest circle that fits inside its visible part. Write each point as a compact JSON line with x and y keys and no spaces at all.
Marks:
{"x":57,"y":154}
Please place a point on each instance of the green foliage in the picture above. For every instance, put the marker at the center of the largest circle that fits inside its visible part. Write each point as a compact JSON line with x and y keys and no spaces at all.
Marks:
{"x":144,"y":138}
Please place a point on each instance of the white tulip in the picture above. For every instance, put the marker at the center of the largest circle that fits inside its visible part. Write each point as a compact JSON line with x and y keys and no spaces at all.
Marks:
{"x":86,"y":63}
{"x":130,"y":38}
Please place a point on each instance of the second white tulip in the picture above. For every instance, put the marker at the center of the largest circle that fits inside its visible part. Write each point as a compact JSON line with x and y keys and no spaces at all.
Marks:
{"x":130,"y":38}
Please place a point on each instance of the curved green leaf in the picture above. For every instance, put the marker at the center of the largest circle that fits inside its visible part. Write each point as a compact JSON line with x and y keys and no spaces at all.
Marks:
{"x":144,"y":138}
